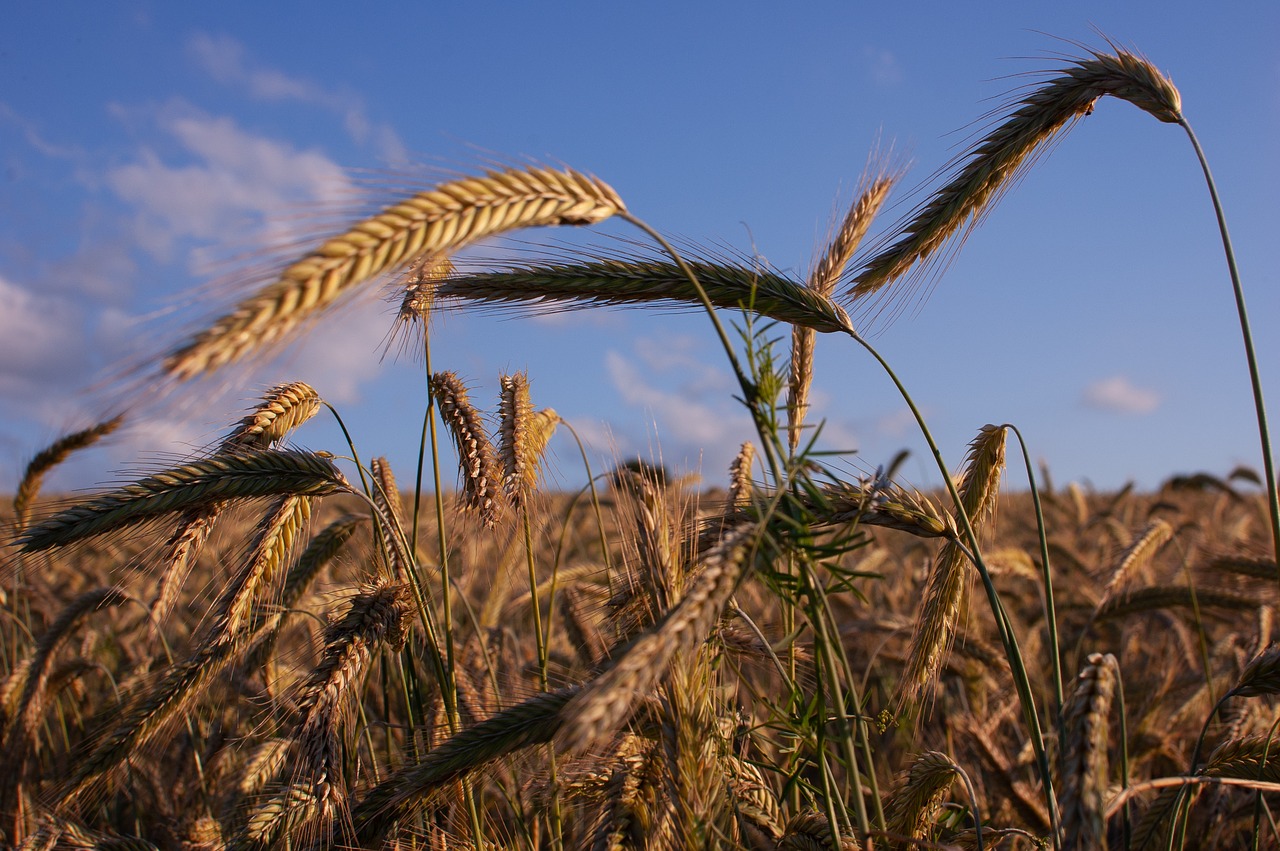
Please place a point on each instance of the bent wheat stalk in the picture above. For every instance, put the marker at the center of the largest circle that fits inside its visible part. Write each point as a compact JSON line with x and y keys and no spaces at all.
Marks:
{"x":439,"y":221}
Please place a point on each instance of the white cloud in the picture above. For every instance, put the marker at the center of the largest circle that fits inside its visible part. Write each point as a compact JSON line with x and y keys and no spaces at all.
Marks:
{"x":233,"y":179}
{"x":1118,"y":394}
{"x":40,"y":339}
{"x":225,"y":60}
{"x":883,"y":66}
{"x":698,"y":421}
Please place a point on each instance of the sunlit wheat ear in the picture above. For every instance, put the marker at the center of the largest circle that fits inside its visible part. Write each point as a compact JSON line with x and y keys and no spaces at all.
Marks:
{"x":1156,"y":535}
{"x":223,"y":477}
{"x":944,"y":599}
{"x":247,"y":593}
{"x":481,"y":475}
{"x":822,"y":280}
{"x":439,"y":221}
{"x":19,"y":733}
{"x":417,"y":299}
{"x":1085,"y":771}
{"x":915,"y":803}
{"x":614,"y":281}
{"x":385,"y":491}
{"x":740,"y":475}
{"x":525,"y":434}
{"x":312,"y":786}
{"x":402,"y":794}
{"x":994,"y":164}
{"x":282,"y":409}
{"x":811,"y":831}
{"x":50,"y":457}
{"x":607,"y":702}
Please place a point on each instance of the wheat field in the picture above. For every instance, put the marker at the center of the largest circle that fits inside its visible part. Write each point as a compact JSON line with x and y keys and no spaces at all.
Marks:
{"x":267,"y":647}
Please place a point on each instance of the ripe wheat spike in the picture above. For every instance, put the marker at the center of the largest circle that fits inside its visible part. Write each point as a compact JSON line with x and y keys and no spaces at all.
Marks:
{"x":436,"y":222}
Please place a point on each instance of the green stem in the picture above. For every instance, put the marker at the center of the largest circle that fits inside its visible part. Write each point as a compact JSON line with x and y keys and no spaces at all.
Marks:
{"x":1255,"y":380}
{"x":1050,"y":610}
{"x":1007,"y":636}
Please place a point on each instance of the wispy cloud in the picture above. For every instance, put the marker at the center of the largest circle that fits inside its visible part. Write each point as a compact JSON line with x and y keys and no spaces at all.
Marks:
{"x":230,"y":179}
{"x":689,"y":400}
{"x":882,"y":66}
{"x":225,"y":60}
{"x":1118,"y":394}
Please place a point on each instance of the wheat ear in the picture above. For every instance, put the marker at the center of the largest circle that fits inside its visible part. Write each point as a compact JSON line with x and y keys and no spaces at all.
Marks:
{"x":607,"y":701}
{"x":1085,"y":773}
{"x":822,"y":281}
{"x":949,"y":578}
{"x":438,"y":221}
{"x":525,"y":433}
{"x":1155,"y":536}
{"x":243,"y":595}
{"x":313,"y":789}
{"x":50,"y":457}
{"x":282,"y":409}
{"x":533,"y":722}
{"x":481,"y":476}
{"x":917,"y":800}
{"x":609,"y":281}
{"x":998,"y":159}
{"x":223,"y":477}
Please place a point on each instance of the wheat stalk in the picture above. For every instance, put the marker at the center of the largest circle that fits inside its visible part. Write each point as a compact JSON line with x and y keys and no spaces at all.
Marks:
{"x":438,"y":221}
{"x":222,"y":477}
{"x":999,"y":158}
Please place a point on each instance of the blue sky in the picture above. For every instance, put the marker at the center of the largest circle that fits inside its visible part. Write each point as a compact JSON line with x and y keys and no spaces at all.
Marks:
{"x":142,"y":141}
